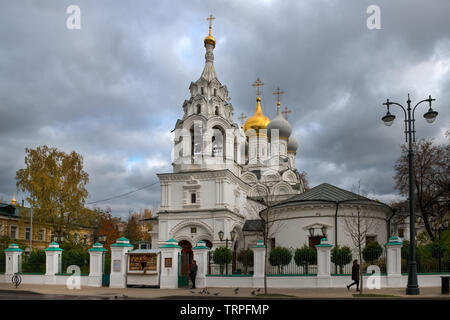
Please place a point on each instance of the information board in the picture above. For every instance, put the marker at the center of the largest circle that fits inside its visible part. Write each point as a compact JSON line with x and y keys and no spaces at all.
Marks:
{"x":143,"y":261}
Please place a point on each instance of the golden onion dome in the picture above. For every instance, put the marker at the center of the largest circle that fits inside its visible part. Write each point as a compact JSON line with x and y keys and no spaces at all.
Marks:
{"x":13,"y":200}
{"x":209,"y":39}
{"x":258,"y":120}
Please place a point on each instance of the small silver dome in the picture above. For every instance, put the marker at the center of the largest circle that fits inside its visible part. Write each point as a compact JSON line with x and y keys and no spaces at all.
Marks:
{"x":292,"y":144}
{"x":281,"y":124}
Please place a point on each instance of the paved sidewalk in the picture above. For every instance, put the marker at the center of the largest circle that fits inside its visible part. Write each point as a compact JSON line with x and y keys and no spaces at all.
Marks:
{"x":243,"y":293}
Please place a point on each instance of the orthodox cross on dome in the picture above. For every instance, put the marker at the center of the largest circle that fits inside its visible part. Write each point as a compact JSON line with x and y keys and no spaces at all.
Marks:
{"x":286,"y":112}
{"x":278,"y":93}
{"x":210,"y":18}
{"x":242,"y":118}
{"x":257,"y":84}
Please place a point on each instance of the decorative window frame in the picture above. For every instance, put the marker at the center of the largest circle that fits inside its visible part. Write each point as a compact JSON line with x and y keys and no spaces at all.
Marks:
{"x":29,"y":233}
{"x":43,"y":234}
{"x":17,"y":231}
{"x":191,"y":186}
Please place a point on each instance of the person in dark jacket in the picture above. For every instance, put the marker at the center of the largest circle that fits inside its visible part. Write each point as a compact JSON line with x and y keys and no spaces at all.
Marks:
{"x":355,"y":275}
{"x":193,"y":273}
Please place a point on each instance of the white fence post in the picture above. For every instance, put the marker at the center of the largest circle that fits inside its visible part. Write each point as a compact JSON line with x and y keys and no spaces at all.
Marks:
{"x":13,"y":259}
{"x":53,"y":261}
{"x":394,"y":262}
{"x":169,"y":260}
{"x":96,"y":254}
{"x":118,"y":276}
{"x":324,"y":264}
{"x":201,"y":258}
{"x":259,"y":257}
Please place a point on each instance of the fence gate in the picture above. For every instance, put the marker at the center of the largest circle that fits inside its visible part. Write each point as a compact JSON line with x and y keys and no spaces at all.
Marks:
{"x":105,"y":280}
{"x":183,"y":270}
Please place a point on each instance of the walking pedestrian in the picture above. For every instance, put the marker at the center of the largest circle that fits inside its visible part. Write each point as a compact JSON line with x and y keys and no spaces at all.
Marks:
{"x":193,"y":273}
{"x":355,"y":275}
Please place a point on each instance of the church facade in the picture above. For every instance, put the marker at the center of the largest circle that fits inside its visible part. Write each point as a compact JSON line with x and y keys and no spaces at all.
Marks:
{"x":225,"y":174}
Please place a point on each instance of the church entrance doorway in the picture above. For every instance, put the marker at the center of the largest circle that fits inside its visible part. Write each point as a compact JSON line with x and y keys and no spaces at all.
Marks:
{"x":185,"y":262}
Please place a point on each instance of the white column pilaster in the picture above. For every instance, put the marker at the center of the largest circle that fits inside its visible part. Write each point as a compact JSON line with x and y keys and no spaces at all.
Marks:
{"x":169,"y":264}
{"x":53,"y":256}
{"x":96,"y":260}
{"x":13,"y":259}
{"x":394,"y":262}
{"x":201,"y":258}
{"x":324,"y":264}
{"x":118,"y":276}
{"x":259,"y":257}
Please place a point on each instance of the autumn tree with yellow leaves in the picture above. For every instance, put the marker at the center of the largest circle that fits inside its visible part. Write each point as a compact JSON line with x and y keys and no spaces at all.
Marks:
{"x":55,"y":185}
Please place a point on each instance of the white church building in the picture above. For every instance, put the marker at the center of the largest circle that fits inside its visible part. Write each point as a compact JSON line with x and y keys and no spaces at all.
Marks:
{"x":221,"y":167}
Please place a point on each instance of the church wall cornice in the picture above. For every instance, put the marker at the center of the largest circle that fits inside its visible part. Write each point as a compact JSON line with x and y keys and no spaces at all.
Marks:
{"x":204,"y":213}
{"x":202,"y":175}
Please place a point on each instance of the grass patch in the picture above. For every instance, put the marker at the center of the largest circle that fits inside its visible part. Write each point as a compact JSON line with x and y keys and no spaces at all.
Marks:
{"x":274,"y":295}
{"x":373,"y":295}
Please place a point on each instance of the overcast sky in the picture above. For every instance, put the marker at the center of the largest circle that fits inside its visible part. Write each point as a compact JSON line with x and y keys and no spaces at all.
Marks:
{"x":113,"y":90}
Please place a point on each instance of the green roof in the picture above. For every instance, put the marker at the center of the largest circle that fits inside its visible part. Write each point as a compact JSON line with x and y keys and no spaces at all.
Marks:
{"x":393,"y":243}
{"x":13,"y":250}
{"x":326,"y":192}
{"x":121,"y":245}
{"x":7,"y":209}
{"x":170,"y":246}
{"x":97,"y":249}
{"x":54,"y":249}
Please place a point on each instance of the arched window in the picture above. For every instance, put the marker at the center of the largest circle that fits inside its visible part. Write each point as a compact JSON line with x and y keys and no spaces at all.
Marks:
{"x":196,"y":139}
{"x":193,"y":197}
{"x":199,"y":109}
{"x":215,"y":92}
{"x":218,"y":142}
{"x":217,"y":111}
{"x":202,"y":90}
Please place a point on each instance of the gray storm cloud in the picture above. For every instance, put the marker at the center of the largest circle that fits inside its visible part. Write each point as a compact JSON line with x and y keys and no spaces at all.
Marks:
{"x":113,"y":90}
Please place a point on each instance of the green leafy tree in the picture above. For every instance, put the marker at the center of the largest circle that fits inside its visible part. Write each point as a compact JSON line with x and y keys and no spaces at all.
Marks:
{"x":245,"y":256}
{"x":437,"y":249}
{"x":222,"y":256}
{"x":56,"y":186}
{"x":107,"y":226}
{"x":341,"y":256}
{"x":405,"y":253}
{"x":35,"y":263}
{"x":280,"y":257}
{"x":372,"y":251}
{"x":74,"y":254}
{"x":305,"y":256}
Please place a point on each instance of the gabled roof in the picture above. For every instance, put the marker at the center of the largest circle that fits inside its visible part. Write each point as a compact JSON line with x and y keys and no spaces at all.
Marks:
{"x":253,"y":225}
{"x":326,"y":192}
{"x":10,"y":210}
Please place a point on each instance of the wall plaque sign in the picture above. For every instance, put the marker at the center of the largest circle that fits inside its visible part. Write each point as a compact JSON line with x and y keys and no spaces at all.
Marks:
{"x":143,"y":262}
{"x":168,"y":262}
{"x":116,"y":266}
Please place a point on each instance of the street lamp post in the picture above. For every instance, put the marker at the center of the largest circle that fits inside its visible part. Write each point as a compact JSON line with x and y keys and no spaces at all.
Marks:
{"x":232,"y":235}
{"x":410,"y":135}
